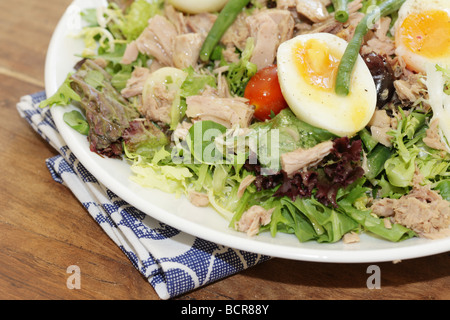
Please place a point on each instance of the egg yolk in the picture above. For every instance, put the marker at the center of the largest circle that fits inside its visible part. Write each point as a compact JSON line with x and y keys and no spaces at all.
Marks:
{"x":316,"y":63}
{"x":427,"y":33}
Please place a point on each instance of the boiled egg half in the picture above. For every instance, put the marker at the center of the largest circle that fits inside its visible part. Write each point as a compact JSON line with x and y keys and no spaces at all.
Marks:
{"x":422,"y":33}
{"x":307,"y":69}
{"x":198,"y":6}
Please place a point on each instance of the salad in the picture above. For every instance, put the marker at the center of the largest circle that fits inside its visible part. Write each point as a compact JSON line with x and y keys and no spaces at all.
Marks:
{"x":321,"y":119}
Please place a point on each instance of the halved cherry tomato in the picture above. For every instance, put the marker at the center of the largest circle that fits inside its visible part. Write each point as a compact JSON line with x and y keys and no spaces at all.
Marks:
{"x":264,"y":92}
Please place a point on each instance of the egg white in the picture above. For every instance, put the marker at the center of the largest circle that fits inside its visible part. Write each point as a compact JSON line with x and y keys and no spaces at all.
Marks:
{"x":343,"y":116}
{"x":413,"y":60}
{"x":198,"y":6}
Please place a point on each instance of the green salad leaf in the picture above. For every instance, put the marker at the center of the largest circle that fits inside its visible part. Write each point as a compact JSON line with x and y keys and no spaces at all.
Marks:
{"x":168,"y":178}
{"x":376,"y":160}
{"x":144,"y":139}
{"x":284,"y":133}
{"x":400,"y":168}
{"x":62,"y":97}
{"x":239,"y":73}
{"x":443,"y":187}
{"x":369,"y":222}
{"x":137,"y":16}
{"x":195,"y":83}
{"x":328,"y":224}
{"x":201,"y":139}
{"x":76,"y":121}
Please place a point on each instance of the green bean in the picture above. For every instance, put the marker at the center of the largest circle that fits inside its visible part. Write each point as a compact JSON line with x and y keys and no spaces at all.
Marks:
{"x":225,"y":19}
{"x":367,"y":139}
{"x":351,"y":53}
{"x":340,"y":10}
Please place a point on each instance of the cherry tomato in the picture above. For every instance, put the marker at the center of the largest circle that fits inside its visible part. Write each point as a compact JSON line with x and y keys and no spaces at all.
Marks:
{"x":264,"y":92}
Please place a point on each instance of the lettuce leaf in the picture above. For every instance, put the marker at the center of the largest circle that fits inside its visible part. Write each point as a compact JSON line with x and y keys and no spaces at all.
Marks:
{"x":444,"y":189}
{"x":94,"y":38}
{"x":63,"y":96}
{"x":329,"y":224}
{"x":195,"y":83}
{"x":239,"y":73}
{"x":167,"y":178}
{"x":376,"y":160}
{"x":144,"y":138}
{"x":306,"y":218}
{"x":119,"y":72}
{"x":294,"y":133}
{"x":137,"y":16}
{"x":201,"y":141}
{"x":371,"y":223}
{"x":281,"y":134}
{"x":121,"y":26}
{"x":288,"y":219}
{"x":76,"y":121}
{"x":220,"y":182}
{"x":310,"y":220}
{"x":400,"y":168}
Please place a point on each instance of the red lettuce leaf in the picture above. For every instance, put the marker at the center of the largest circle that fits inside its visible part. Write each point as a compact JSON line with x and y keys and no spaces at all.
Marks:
{"x":339,"y":169}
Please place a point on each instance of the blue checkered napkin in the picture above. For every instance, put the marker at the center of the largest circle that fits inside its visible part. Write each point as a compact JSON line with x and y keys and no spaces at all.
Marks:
{"x":173,"y":262}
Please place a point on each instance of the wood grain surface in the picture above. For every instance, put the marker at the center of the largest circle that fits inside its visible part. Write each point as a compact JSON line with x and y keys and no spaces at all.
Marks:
{"x":44,"y":229}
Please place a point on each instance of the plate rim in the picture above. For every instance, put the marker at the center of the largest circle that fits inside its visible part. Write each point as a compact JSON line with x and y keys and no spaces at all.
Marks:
{"x":352,"y":255}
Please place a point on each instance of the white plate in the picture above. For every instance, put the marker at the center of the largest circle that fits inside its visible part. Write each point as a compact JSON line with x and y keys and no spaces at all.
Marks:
{"x":178,"y":212}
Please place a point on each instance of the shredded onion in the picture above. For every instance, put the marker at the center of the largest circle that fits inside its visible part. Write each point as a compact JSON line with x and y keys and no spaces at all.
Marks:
{"x":439,"y":102}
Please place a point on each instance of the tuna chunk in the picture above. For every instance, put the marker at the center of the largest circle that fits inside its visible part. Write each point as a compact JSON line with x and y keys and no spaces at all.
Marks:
{"x":433,"y":139}
{"x":201,"y":23}
{"x":181,"y":131}
{"x":423,"y":210}
{"x":187,"y":50}
{"x":157,"y":106}
{"x":198,"y":199}
{"x":314,"y":10}
{"x":227,"y":111}
{"x":135,"y":84}
{"x":409,"y":87}
{"x":237,"y":34}
{"x":247,"y":181}
{"x":351,"y":237}
{"x":177,"y":18}
{"x":131,"y":53}
{"x":384,"y":207}
{"x":253,"y":219}
{"x":380,"y":42}
{"x":269,"y":28}
{"x":286,"y":4}
{"x":285,"y":23}
{"x":158,"y":39}
{"x":331,"y":25}
{"x":291,"y":162}
{"x":380,"y":125}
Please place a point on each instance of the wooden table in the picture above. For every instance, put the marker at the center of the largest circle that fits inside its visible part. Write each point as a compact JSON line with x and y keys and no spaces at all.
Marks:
{"x":44,"y":229}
